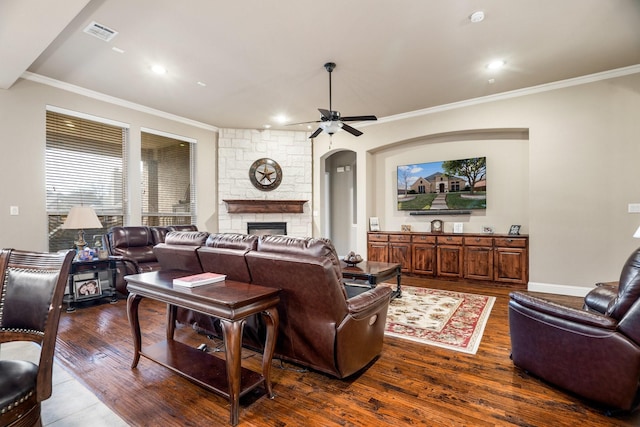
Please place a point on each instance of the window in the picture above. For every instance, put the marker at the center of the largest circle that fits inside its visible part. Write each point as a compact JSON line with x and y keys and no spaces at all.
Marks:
{"x":168,"y":193}
{"x":85,"y":165}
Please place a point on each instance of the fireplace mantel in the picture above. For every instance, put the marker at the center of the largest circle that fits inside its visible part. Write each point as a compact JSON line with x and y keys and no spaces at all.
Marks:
{"x":265,"y":206}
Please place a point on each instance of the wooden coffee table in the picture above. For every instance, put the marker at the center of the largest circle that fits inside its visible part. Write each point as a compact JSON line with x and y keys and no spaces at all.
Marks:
{"x":368,"y":274}
{"x":232,"y":302}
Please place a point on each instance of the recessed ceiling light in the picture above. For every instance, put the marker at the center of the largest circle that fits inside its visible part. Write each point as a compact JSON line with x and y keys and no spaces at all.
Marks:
{"x":158,"y":69}
{"x":491,"y":81}
{"x":494,"y":65}
{"x":477,"y":16}
{"x":203,"y":84}
{"x":281,"y":119}
{"x":267,"y":126}
{"x":117,"y":49}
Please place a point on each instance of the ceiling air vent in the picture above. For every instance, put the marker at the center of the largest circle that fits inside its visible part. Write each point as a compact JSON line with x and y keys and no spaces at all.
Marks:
{"x":100,"y":31}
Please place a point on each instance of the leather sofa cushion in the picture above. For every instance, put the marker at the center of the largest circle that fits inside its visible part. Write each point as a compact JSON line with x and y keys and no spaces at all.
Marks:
{"x":246,"y":242}
{"x":309,"y":246}
{"x":193,"y":238}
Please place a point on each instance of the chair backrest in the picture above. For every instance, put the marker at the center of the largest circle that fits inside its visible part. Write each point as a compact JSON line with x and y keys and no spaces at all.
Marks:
{"x":33,"y":286}
{"x":224,"y":253}
{"x":628,"y":287}
{"x":134,"y":242}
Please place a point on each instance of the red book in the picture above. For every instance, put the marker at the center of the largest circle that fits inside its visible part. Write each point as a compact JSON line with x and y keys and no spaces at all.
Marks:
{"x":199,"y":279}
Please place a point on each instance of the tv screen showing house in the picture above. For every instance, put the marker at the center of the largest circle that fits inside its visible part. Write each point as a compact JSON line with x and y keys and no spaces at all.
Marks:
{"x":444,"y":185}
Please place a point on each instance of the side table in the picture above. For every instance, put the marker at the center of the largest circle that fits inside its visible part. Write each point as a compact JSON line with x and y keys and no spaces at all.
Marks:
{"x":91,"y":280}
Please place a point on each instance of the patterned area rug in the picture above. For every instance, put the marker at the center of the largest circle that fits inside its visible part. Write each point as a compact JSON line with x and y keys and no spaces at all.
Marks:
{"x":447,"y":319}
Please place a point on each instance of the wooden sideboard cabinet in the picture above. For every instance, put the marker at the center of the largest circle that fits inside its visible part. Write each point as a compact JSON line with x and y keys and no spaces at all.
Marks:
{"x":499,"y":258}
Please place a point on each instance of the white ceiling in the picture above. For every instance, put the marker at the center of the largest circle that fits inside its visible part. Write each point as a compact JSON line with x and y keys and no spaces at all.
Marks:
{"x":263,"y":58}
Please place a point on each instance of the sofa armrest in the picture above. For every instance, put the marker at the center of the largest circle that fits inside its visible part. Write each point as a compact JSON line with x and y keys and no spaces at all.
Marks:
{"x":364,"y":301}
{"x":563,"y":312}
{"x":127,"y":261}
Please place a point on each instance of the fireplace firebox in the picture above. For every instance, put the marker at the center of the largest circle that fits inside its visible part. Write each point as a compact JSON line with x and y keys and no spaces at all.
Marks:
{"x":266,"y":228}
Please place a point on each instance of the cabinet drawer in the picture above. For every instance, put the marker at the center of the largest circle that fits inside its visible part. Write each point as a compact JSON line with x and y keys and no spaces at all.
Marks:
{"x":378,"y":237}
{"x":423,"y":238}
{"x":508,"y":242}
{"x":449,"y":240}
{"x":478,"y":241}
{"x":400,"y":237}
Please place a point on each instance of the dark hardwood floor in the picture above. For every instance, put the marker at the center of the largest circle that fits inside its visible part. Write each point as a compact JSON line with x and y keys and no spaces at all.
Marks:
{"x":410,"y":384}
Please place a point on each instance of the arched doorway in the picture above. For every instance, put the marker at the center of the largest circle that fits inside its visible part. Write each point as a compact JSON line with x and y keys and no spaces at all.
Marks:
{"x":340,"y":200}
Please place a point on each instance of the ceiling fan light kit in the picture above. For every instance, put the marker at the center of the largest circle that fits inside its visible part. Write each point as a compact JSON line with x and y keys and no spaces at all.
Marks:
{"x":331,"y":121}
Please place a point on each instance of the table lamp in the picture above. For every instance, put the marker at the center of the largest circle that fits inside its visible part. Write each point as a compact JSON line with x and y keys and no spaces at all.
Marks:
{"x":79,"y":218}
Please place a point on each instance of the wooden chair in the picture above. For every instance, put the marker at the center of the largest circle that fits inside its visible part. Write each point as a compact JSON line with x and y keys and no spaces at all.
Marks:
{"x":31,"y":289}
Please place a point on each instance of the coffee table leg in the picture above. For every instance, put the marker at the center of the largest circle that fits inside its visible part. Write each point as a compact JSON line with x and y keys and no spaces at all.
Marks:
{"x":398,"y":277}
{"x":133,"y":301}
{"x":232,"y":334}
{"x":272,"y":319}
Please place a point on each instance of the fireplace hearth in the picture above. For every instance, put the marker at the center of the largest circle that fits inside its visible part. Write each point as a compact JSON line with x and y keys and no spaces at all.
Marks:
{"x":267,"y":228}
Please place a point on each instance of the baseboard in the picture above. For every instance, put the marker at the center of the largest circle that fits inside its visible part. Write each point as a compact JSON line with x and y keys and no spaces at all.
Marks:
{"x":550,"y":288}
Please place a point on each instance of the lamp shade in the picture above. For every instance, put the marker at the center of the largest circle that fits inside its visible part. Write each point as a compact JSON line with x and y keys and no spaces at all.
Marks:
{"x":637,"y":233}
{"x":331,"y":127}
{"x":81,"y":217}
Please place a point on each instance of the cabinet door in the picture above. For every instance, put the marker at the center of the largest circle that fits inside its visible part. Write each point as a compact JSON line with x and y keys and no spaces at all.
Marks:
{"x":478,"y":262}
{"x":510,"y":265}
{"x":378,"y":251}
{"x":450,"y":261}
{"x":400,"y":253}
{"x":424,"y":258}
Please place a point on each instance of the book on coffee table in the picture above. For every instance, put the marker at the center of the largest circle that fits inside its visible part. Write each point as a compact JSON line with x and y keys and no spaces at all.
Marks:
{"x":199,"y":279}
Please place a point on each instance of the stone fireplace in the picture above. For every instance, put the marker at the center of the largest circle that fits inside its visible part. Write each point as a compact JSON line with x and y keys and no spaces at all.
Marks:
{"x":240,"y":203}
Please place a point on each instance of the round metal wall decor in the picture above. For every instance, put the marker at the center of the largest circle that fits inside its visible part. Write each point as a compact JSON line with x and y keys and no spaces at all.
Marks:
{"x":265,"y":174}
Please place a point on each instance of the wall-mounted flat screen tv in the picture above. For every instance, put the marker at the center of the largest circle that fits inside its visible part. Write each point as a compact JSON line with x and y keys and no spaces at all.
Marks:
{"x":446,"y":185}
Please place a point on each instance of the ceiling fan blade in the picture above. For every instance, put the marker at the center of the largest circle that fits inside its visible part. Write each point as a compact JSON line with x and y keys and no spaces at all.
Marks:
{"x":357,"y":118}
{"x":303,"y":123}
{"x":316,"y":133}
{"x":352,"y":131}
{"x":326,"y":114}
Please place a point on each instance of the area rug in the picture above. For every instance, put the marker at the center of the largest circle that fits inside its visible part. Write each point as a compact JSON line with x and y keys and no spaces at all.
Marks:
{"x":452,"y":320}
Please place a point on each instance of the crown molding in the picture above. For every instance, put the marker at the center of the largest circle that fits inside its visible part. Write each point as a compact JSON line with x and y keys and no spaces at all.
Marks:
{"x":27,"y":75}
{"x":618,"y":72}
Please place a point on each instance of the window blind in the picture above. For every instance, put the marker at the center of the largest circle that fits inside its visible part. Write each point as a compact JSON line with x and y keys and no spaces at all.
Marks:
{"x":85,"y":165}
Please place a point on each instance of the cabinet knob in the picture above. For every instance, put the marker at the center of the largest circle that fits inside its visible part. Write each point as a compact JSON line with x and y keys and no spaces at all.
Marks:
{"x":477,"y":239}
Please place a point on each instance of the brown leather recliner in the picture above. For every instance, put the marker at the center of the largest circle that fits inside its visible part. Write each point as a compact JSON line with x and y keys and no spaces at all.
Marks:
{"x":134,"y":247}
{"x":593,"y":352}
{"x":319,"y":326}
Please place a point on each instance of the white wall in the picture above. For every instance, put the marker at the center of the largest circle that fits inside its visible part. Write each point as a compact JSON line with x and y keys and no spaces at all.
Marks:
{"x":579,"y":164}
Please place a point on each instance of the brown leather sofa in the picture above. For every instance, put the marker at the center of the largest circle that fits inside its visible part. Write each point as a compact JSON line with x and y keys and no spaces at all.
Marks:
{"x":320,"y":327}
{"x":593,"y":352}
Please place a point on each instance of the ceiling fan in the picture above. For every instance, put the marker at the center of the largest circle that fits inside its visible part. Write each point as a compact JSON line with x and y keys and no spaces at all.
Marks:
{"x":331,"y":121}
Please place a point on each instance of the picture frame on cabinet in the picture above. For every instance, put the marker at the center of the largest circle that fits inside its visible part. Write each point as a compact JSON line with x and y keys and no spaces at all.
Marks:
{"x":374,"y":224}
{"x":405,"y":228}
{"x":514,"y":230}
{"x":487,"y":229}
{"x":458,"y":227}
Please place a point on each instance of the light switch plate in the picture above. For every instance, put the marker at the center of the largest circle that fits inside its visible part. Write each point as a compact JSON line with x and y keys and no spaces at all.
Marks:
{"x":14,"y":210}
{"x":634,"y":207}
